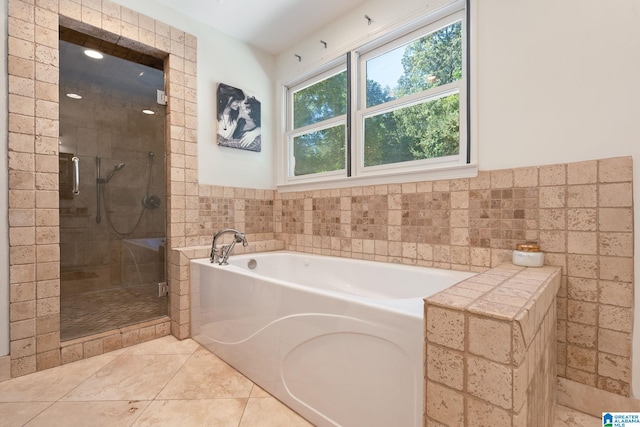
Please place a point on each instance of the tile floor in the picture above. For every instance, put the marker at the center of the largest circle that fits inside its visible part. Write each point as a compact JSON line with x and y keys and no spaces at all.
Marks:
{"x":89,"y":313}
{"x":164,"y":382}
{"x":91,"y":304}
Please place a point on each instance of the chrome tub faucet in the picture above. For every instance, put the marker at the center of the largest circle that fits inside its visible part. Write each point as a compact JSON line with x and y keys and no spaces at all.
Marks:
{"x":221,"y":255}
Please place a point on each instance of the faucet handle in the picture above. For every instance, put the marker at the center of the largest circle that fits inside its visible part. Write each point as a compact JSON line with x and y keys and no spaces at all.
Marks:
{"x":241,"y":238}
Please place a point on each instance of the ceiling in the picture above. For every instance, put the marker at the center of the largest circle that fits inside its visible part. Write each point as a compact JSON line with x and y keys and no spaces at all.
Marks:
{"x":271,"y":25}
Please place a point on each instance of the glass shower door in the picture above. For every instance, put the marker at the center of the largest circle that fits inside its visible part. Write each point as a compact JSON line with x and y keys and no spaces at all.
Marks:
{"x":112,"y":187}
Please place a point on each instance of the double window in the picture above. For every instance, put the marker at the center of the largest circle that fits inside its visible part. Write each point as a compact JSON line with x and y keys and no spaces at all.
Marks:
{"x":396,"y":107}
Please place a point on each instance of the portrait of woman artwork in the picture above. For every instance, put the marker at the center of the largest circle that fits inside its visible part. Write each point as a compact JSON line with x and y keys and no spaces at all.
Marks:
{"x":238,"y":119}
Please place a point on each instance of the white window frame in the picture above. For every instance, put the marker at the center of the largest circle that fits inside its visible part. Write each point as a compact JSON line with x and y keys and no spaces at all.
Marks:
{"x":458,"y":166}
{"x":362,"y":112}
{"x":334,"y":68}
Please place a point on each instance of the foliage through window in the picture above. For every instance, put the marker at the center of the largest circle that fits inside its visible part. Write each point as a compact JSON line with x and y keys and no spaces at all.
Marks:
{"x":319,"y":112}
{"x":408,"y":113}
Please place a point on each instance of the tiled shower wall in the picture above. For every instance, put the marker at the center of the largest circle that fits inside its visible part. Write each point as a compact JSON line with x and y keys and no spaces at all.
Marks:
{"x":34,"y":275}
{"x":580,"y":213}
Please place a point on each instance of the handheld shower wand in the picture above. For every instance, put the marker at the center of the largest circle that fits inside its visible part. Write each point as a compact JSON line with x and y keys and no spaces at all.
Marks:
{"x":115,"y":169}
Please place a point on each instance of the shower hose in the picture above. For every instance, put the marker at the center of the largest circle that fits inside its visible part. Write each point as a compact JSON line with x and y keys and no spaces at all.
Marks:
{"x":144,"y":205}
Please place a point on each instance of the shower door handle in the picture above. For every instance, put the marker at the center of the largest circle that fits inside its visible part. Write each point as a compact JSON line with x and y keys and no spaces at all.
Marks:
{"x":76,"y":175}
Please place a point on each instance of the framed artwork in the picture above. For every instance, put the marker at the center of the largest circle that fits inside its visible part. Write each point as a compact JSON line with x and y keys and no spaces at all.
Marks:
{"x":238,"y":116}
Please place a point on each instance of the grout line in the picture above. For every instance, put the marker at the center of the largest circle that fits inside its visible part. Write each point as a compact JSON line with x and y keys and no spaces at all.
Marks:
{"x":38,"y":414}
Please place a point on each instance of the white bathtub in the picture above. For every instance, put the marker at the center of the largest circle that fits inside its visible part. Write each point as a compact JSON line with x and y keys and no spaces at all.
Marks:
{"x":338,"y":340}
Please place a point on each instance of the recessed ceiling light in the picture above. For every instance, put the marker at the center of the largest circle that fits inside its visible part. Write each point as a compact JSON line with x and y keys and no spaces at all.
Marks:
{"x":93,"y":54}
{"x":74,"y":96}
{"x":148,"y":112}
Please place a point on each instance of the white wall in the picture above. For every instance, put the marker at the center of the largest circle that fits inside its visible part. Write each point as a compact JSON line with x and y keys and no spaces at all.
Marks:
{"x":556,"y":82}
{"x":227,"y":60}
{"x":4,"y":185}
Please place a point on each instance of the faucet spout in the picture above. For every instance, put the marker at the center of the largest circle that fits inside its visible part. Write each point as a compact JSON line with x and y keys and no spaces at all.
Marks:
{"x":221,"y":255}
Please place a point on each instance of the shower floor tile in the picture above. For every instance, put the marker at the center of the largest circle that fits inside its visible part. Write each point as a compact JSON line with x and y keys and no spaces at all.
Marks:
{"x":92,"y":312}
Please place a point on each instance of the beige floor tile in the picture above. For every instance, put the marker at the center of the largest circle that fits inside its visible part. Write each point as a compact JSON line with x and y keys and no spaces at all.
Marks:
{"x":258,"y":391}
{"x":270,"y":412}
{"x":566,"y":417}
{"x":129,"y":377}
{"x":19,"y":413}
{"x":51,"y":384}
{"x":205,"y":376}
{"x":165,"y":345}
{"x":192,"y":413}
{"x":96,"y":414}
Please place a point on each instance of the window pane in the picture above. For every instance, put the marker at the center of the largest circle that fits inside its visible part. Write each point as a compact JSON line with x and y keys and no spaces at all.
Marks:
{"x":321,"y":151}
{"x":423,"y":131}
{"x":430,"y":61}
{"x":320,"y":101}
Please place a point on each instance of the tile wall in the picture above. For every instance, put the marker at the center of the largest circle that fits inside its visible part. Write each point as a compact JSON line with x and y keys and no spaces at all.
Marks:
{"x":245,"y":209}
{"x":580,"y":213}
{"x":33,"y":27}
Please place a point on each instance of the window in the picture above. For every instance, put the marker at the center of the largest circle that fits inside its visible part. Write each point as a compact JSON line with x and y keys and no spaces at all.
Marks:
{"x":408,"y":110}
{"x":319,"y":131}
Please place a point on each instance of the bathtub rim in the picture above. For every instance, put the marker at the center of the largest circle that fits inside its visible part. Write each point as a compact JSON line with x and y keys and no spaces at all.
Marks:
{"x":412,"y":307}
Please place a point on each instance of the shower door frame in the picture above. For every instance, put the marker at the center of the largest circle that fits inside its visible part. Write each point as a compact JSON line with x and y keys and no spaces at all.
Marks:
{"x":34,"y":234}
{"x":107,"y":283}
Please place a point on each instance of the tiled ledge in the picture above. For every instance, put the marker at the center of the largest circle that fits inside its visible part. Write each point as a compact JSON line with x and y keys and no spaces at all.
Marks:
{"x":491,"y":348}
{"x":180,"y":288}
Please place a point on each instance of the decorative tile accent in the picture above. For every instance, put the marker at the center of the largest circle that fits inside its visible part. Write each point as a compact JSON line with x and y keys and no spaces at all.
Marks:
{"x":369,"y":217}
{"x":326,"y":216}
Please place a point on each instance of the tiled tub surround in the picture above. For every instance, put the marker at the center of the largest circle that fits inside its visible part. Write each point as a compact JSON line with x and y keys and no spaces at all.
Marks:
{"x":245,"y":209}
{"x":179,"y":270}
{"x":580,"y":213}
{"x":491,"y":349}
{"x":315,"y":331}
{"x":498,"y":327}
{"x":33,"y":85}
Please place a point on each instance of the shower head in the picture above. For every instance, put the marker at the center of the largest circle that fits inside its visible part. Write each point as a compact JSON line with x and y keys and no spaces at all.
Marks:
{"x":116,"y":168}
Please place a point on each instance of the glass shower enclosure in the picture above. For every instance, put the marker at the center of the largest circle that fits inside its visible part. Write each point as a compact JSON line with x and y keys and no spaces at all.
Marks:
{"x":112,"y":181}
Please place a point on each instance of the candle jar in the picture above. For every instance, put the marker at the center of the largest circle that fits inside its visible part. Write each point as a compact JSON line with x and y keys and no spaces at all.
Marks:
{"x":528,"y":255}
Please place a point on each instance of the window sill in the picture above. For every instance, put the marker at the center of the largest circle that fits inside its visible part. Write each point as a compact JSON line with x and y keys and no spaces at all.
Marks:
{"x":433,"y":174}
